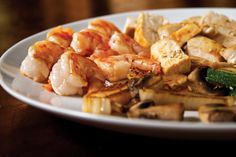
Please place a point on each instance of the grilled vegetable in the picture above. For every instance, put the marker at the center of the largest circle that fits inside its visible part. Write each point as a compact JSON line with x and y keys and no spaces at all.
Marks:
{"x":107,"y":101}
{"x":147,"y":109}
{"x":232,"y":93}
{"x":222,"y":77}
{"x":190,"y":101}
{"x":217,"y":113}
{"x":197,"y":84}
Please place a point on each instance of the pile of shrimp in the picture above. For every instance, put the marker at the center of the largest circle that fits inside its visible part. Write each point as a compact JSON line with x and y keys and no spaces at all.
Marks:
{"x":76,"y":63}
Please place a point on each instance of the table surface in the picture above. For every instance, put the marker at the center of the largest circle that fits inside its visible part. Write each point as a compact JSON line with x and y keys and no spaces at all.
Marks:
{"x":26,"y":131}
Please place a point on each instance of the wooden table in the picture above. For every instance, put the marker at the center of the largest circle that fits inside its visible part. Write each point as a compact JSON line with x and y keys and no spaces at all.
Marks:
{"x":26,"y":131}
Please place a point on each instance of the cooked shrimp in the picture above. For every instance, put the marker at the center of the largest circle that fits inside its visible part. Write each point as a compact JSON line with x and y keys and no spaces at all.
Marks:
{"x":72,"y":74}
{"x":61,"y":36}
{"x":41,"y":57}
{"x":88,"y":42}
{"x":116,"y":68}
{"x":105,"y":27}
{"x":124,"y":44}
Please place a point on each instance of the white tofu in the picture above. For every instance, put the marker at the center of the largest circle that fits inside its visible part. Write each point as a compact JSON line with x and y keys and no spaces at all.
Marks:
{"x":165,"y":31}
{"x":182,"y":35}
{"x":212,"y":18}
{"x":219,"y":28}
{"x":147,"y":25}
{"x":229,"y":54}
{"x":204,"y":47}
{"x":173,"y":60}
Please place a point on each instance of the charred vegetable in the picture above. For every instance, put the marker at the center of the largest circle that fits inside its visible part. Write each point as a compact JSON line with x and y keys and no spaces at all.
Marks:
{"x":217,"y":113}
{"x":232,"y":93}
{"x":190,"y":101}
{"x":148,"y":109}
{"x":225,"y":77}
{"x":111,"y":100}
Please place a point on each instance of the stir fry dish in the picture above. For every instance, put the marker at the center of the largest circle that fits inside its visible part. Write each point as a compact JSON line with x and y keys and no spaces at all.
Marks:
{"x":151,"y":69}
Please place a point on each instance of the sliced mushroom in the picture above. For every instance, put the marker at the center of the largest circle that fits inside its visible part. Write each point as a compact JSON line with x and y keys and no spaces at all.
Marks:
{"x":217,"y":113}
{"x":191,"y":101}
{"x":147,"y":109}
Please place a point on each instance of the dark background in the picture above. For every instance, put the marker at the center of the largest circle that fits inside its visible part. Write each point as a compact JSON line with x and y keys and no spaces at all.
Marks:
{"x":25,"y":131}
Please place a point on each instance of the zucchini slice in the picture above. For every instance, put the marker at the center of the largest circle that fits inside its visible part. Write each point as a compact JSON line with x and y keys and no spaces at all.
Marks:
{"x":223,"y":77}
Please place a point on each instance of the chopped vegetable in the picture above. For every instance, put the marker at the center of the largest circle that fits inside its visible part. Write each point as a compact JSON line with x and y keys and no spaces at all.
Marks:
{"x":147,"y":109}
{"x":232,"y":93}
{"x":217,"y":113}
{"x":222,"y":77}
{"x":191,"y":102}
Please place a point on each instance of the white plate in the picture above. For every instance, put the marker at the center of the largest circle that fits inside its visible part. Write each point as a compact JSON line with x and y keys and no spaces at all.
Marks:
{"x":32,"y":93}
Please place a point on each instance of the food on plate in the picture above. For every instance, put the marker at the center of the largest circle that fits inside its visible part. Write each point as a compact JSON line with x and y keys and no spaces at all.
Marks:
{"x":217,"y":113}
{"x":61,"y":36}
{"x":229,"y":54}
{"x":173,"y":60}
{"x":186,"y":32}
{"x":204,"y":47}
{"x":146,"y":32}
{"x":147,"y":109}
{"x":116,"y":68}
{"x":89,"y":42}
{"x":40,"y":59}
{"x":130,"y":26}
{"x":104,"y":27}
{"x":222,"y":77}
{"x":43,"y":54}
{"x":154,"y":69}
{"x":111,"y":100}
{"x":191,"y":101}
{"x":124,"y":44}
{"x":72,"y":73}
{"x":165,"y":31}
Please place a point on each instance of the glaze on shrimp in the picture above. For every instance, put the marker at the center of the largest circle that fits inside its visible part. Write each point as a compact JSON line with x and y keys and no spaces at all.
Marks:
{"x":116,"y":68}
{"x":61,"y":36}
{"x":41,"y":57}
{"x":72,"y":74}
{"x":104,"y":27}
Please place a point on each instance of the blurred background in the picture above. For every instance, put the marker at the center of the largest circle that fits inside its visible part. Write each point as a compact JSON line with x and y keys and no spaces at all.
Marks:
{"x":19,"y":19}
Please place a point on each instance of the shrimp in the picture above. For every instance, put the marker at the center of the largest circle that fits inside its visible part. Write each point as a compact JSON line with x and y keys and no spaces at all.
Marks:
{"x":124,"y":44}
{"x":116,"y":68}
{"x":104,"y":27}
{"x":73,"y":73}
{"x":61,"y":36}
{"x":88,"y":42}
{"x":41,"y":57}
